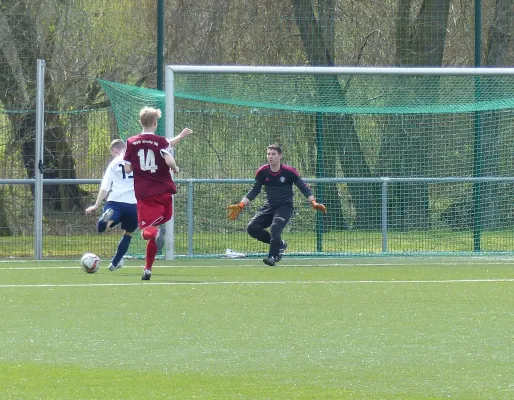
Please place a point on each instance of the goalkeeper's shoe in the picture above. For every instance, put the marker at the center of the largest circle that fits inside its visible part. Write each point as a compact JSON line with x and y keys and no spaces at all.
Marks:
{"x":271,"y":261}
{"x":281,"y":251}
{"x":146,"y":275}
{"x":113,"y":267}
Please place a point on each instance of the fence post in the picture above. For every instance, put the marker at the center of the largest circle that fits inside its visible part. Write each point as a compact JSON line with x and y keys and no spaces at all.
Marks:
{"x":384,"y":214}
{"x":190,"y":217}
{"x":38,"y":160}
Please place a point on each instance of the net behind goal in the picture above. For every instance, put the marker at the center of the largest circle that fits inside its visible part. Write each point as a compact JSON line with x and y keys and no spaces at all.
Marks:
{"x":405,"y":163}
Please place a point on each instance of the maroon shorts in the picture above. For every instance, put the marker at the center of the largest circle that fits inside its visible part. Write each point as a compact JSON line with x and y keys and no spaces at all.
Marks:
{"x":154,"y":210}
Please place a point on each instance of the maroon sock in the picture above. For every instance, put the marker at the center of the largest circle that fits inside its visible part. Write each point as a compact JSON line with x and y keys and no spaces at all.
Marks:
{"x":151,"y":252}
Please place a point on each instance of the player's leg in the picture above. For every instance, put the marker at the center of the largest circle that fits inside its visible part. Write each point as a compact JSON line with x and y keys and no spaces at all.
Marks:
{"x":121,"y":250}
{"x":280,"y":219}
{"x":151,"y":213}
{"x":128,"y":224}
{"x":161,"y":212}
{"x":256,"y":228}
{"x":167,"y":213}
{"x":282,"y":250}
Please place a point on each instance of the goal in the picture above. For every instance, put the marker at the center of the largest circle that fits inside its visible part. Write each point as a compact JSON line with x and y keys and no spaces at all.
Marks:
{"x":407,"y":160}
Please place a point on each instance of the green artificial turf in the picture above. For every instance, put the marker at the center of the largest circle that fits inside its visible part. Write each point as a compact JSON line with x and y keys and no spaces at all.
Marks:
{"x":363,"y":328}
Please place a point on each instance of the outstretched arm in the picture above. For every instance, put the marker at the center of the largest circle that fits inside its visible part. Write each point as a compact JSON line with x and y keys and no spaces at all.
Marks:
{"x":235,"y":209}
{"x":185,"y":132}
{"x":317,"y":206}
{"x":101,"y":195}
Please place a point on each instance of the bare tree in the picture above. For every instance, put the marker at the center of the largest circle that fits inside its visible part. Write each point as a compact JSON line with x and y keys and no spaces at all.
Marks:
{"x":339,"y":135}
{"x":420,"y":41}
{"x":497,"y":52}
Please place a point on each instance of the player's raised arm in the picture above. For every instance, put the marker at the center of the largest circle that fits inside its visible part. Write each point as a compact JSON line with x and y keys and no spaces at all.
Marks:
{"x":185,"y":133}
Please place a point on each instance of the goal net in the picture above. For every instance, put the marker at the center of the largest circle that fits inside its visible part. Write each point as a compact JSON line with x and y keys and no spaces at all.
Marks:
{"x":406,"y":160}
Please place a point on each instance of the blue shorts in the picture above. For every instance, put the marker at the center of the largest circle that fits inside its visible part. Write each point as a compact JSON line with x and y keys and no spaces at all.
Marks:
{"x":124,"y":214}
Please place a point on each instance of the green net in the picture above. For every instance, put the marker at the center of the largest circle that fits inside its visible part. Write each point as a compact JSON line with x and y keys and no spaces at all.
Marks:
{"x":127,"y":101}
{"x":350,"y":94}
{"x":346,"y":130}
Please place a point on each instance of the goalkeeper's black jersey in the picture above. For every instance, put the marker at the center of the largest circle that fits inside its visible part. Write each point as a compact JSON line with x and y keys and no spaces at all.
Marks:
{"x":278,"y":185}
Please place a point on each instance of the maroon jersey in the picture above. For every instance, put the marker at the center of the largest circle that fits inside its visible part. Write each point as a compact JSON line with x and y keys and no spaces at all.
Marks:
{"x":152,"y":176}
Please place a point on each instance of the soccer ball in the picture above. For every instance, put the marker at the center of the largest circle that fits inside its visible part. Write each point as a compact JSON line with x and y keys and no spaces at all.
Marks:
{"x":90,"y":263}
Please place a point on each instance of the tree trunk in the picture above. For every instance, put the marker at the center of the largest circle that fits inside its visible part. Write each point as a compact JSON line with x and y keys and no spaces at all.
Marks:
{"x":5,"y":230}
{"x":339,"y":134}
{"x":499,"y":39}
{"x":404,"y":142}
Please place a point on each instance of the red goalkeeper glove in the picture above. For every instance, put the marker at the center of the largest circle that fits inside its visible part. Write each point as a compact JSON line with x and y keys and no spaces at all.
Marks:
{"x":234,"y":210}
{"x":319,"y":207}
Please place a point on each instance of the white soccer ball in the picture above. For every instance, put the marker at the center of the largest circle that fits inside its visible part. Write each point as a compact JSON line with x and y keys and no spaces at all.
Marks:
{"x":90,"y":263}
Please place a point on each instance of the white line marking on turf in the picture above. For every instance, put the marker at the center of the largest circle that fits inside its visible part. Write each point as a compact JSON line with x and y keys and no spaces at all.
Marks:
{"x":346,"y":264}
{"x":48,"y":285}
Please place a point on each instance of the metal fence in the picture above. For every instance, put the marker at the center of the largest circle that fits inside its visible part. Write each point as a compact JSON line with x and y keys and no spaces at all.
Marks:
{"x":72,"y":234}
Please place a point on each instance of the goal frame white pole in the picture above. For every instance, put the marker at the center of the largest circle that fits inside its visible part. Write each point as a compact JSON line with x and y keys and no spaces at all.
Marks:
{"x":421,"y":71}
{"x":169,"y":128}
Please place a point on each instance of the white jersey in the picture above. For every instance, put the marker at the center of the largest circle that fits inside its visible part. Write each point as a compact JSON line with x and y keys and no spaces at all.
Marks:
{"x":118,"y":182}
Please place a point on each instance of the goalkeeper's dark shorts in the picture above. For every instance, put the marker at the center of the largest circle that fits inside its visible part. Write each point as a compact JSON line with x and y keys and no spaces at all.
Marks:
{"x":267,"y":214}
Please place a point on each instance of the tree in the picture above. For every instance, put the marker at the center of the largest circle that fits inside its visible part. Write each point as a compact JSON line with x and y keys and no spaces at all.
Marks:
{"x":20,"y":48}
{"x":420,"y":41}
{"x":340,"y":137}
{"x":496,"y":55}
{"x":51,"y":30}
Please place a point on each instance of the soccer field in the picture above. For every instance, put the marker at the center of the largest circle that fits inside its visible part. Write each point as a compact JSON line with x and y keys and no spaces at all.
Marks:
{"x":355,"y":328}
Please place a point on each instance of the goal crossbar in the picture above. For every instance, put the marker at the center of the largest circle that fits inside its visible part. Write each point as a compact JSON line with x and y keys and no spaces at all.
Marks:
{"x":421,"y":71}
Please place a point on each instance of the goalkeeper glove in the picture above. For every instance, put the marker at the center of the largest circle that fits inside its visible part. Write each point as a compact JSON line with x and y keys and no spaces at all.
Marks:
{"x":234,"y":210}
{"x":319,"y":207}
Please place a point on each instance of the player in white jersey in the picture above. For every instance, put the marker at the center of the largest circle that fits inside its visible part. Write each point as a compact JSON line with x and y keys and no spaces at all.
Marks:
{"x":121,"y":205}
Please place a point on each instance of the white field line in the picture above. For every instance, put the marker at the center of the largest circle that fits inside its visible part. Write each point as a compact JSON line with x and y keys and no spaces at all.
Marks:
{"x":43,"y":267}
{"x":39,"y":265}
{"x":351,"y":282}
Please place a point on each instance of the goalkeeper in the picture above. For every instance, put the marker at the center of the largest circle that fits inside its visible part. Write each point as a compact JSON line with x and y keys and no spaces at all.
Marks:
{"x":278,"y":180}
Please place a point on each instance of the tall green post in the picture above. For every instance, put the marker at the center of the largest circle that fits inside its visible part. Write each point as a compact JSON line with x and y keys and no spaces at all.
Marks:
{"x":160,"y":44}
{"x":477,"y":142}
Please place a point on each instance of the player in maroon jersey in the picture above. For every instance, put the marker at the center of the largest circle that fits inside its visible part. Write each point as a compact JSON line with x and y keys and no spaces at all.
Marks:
{"x":149,"y":157}
{"x":278,"y":180}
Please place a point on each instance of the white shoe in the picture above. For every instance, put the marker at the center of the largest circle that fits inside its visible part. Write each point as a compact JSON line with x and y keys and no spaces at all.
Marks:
{"x":115,"y":267}
{"x":232,"y":254}
{"x":106,"y":216}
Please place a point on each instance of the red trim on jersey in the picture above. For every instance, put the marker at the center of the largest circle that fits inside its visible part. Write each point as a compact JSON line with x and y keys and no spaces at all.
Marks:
{"x":289,"y":168}
{"x":262,"y":169}
{"x":282,"y":167}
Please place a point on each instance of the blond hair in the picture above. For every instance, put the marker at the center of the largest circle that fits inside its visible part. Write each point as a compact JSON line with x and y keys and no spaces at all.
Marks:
{"x":148,"y":116}
{"x":118,"y":144}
